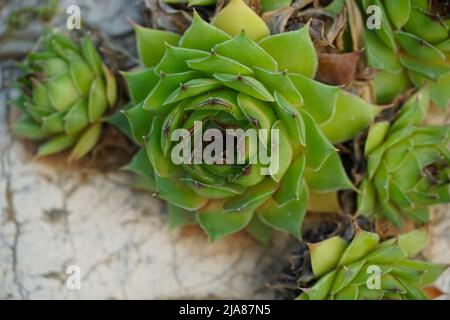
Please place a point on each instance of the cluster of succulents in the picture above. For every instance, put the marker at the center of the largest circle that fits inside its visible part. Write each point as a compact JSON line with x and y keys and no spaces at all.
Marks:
{"x":361,"y":267}
{"x":410,"y":47}
{"x":239,"y":72}
{"x":66,"y":90}
{"x":233,"y":74}
{"x":408,"y":165}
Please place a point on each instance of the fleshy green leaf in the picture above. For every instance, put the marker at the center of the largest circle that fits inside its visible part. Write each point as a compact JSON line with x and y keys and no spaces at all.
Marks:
{"x":294,"y":51}
{"x":237,"y":16}
{"x":86,"y":142}
{"x":151,"y":44}
{"x":218,"y":223}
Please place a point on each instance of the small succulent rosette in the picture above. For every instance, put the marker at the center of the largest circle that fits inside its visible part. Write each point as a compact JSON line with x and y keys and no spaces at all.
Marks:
{"x":361,"y":268}
{"x":408,"y":165}
{"x":409,"y":43}
{"x":232,"y":74}
{"x":66,"y":90}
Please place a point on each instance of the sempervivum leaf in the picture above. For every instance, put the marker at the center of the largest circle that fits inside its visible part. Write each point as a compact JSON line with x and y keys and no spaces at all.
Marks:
{"x":282,"y":47}
{"x":363,"y":244}
{"x":259,"y":230}
{"x":380,"y":56}
{"x":215,"y":63}
{"x":140,"y":121}
{"x":55,"y":145}
{"x":221,"y":100}
{"x":413,"y":242}
{"x":282,"y":152}
{"x":167,"y":84}
{"x":91,"y":55}
{"x":192,"y":88}
{"x":111,"y":85}
{"x":37,"y":113}
{"x":202,"y":35}
{"x":292,"y":120}
{"x":286,"y":216}
{"x":218,"y":223}
{"x":439,"y":93}
{"x":27,"y":128}
{"x":413,"y":111}
{"x":175,"y":59}
{"x":418,"y":48}
{"x":330,"y":177}
{"x":422,"y":25}
{"x":398,"y":11}
{"x":245,"y":84}
{"x":151,"y":44}
{"x":390,"y":85}
{"x":253,"y":198}
{"x":318,"y":149}
{"x":243,"y":49}
{"x":325,"y":255}
{"x":319,"y":100}
{"x":237,"y":16}
{"x":140,"y":165}
{"x":376,"y":136}
{"x":291,"y":186}
{"x":362,"y":113}
{"x":179,"y":217}
{"x":40,"y":94}
{"x":280,"y":82}
{"x":213,"y":191}
{"x":98,"y":100}
{"x":175,"y":191}
{"x":82,"y":75}
{"x":256,"y":111}
{"x":163,"y":168}
{"x":430,"y":69}
{"x":86,"y":142}
{"x":62,"y":92}
{"x":140,"y":83}
{"x":77,"y":118}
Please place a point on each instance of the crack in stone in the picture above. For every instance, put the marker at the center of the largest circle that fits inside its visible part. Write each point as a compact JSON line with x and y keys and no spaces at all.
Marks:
{"x":10,"y":210}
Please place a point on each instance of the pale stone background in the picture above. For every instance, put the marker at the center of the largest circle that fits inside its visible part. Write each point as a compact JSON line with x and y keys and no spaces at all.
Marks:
{"x":51,"y":218}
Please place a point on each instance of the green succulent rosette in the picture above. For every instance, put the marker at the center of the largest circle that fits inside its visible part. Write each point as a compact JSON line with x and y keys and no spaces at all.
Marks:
{"x":233,"y":74}
{"x":66,"y":89}
{"x":408,"y":165}
{"x":366,"y":268}
{"x":265,"y":5}
{"x":411,"y":47}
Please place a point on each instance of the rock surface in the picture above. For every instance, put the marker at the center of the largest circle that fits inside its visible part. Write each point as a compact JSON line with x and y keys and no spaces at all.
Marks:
{"x":55,"y":217}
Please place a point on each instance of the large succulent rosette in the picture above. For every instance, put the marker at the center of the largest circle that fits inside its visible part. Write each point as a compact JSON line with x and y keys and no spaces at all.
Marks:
{"x":66,"y":89}
{"x":408,"y":165}
{"x":410,"y":47}
{"x":365,"y":268}
{"x":233,"y":74}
